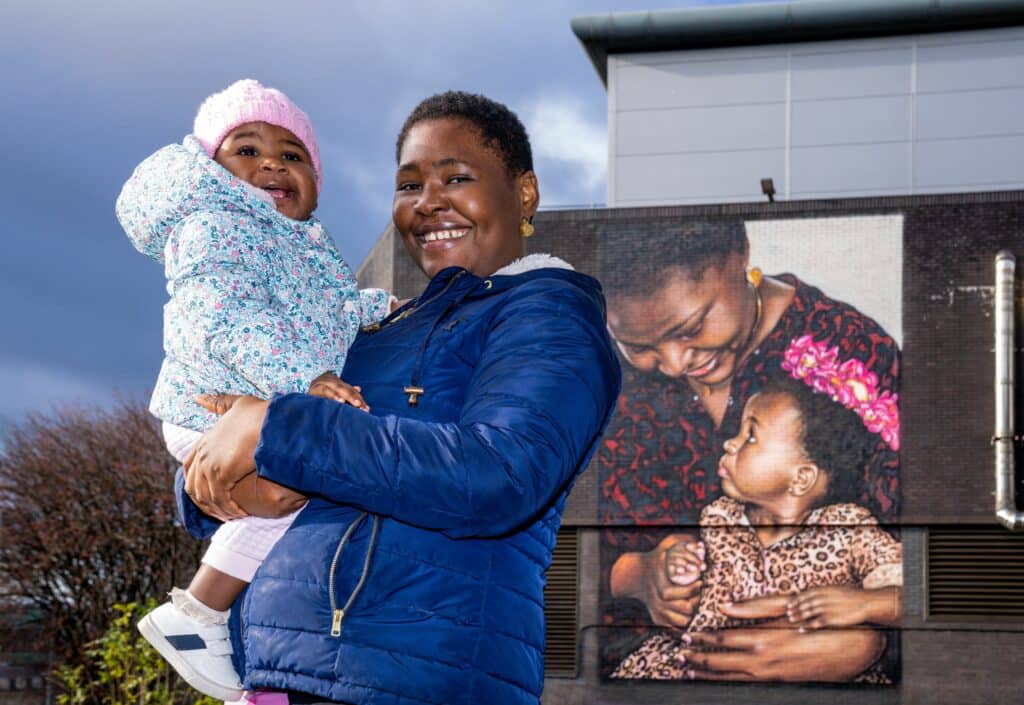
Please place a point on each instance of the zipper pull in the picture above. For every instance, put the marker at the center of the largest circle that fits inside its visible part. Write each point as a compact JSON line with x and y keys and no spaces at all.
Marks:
{"x":336,"y":622}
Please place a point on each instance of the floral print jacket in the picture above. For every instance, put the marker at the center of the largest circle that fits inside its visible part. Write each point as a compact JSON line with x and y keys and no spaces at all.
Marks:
{"x":259,"y":303}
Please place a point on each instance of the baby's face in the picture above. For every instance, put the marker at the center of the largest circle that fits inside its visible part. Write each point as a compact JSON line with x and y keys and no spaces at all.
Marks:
{"x":273,"y":159}
{"x":760,"y":462}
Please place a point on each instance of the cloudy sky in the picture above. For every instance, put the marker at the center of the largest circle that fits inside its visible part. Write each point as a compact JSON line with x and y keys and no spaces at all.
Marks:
{"x":91,"y":88}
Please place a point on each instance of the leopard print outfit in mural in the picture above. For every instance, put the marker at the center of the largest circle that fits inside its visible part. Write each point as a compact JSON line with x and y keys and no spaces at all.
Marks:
{"x":841,"y":544}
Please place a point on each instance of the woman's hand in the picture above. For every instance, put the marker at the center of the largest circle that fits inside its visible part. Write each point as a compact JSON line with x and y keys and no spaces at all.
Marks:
{"x":774,"y":651}
{"x":224,"y":454}
{"x":650,"y":578}
{"x":261,"y":497}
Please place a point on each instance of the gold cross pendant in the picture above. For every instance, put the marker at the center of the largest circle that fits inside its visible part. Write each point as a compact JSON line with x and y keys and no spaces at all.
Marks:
{"x":414,"y":394}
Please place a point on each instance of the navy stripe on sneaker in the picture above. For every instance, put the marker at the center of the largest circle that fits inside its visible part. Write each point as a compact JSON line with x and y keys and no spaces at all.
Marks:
{"x":186,"y":642}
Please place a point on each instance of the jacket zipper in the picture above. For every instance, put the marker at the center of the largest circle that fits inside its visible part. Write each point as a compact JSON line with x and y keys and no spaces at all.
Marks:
{"x":338,"y":613}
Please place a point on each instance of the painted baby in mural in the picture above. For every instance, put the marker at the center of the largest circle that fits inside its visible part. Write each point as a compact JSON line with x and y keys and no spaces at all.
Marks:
{"x":788,"y":524}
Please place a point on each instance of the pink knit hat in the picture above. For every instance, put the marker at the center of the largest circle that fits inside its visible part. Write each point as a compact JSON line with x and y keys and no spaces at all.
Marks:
{"x":249,"y":101}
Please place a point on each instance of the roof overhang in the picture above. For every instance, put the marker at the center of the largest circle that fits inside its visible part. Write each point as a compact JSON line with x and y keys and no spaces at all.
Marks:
{"x":775,"y":23}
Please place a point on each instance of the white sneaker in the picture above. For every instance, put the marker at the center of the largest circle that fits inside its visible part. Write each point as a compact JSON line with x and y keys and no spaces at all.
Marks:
{"x":200,"y":653}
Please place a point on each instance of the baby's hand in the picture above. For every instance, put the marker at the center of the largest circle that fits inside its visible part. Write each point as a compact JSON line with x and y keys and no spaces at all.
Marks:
{"x":842,"y":606}
{"x":684,"y":562}
{"x":329,"y":386}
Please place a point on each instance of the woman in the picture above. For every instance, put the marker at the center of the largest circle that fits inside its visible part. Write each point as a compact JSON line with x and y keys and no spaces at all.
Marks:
{"x":415,"y":574}
{"x":702,"y":333}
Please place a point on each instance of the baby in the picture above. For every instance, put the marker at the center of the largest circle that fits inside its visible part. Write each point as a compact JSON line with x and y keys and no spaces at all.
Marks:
{"x":787,"y":524}
{"x":261,"y":302}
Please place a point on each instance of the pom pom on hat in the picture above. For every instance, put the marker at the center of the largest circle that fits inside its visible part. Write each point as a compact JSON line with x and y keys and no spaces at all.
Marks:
{"x":249,"y":101}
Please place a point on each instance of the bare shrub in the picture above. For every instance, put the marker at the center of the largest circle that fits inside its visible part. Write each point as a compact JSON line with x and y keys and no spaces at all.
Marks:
{"x":88,"y":520}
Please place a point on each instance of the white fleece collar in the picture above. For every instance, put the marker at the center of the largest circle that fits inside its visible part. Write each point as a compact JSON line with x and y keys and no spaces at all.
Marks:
{"x":534,"y":261}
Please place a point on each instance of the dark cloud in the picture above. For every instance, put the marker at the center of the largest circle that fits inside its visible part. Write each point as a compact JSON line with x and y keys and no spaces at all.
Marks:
{"x":92,"y":88}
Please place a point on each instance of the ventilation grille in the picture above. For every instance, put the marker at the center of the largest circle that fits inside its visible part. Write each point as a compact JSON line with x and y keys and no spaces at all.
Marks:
{"x":561,"y":599}
{"x":975,"y":573}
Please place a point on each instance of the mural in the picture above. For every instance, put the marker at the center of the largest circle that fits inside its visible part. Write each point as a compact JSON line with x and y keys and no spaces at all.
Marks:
{"x":750,"y":477}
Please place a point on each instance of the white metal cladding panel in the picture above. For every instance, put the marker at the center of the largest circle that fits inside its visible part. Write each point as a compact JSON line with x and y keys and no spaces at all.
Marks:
{"x":992,"y":161}
{"x":696,"y":82}
{"x":851,"y":121}
{"x":705,"y":177}
{"x":843,"y":72}
{"x":854,"y":169}
{"x":889,"y":115}
{"x":996,"y":111}
{"x":701,"y":129}
{"x":952,"y":63}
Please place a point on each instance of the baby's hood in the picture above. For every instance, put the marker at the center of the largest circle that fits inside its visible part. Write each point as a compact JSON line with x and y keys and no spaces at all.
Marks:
{"x":174,"y":183}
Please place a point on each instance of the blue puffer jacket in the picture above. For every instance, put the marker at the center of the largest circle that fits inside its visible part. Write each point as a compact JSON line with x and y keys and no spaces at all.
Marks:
{"x":519,"y":379}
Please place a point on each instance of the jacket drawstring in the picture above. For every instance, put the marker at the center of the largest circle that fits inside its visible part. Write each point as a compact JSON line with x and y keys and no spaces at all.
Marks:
{"x":414,"y":390}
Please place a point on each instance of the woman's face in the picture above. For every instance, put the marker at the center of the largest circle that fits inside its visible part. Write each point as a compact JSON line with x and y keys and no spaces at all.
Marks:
{"x":456,"y":203}
{"x":688,"y":328}
{"x":761,"y":461}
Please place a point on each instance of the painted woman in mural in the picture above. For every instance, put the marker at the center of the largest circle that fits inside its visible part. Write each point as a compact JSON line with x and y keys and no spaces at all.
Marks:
{"x":702,"y":334}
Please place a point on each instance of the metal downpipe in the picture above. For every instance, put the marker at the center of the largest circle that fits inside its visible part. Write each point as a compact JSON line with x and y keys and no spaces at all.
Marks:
{"x":1004,"y":439}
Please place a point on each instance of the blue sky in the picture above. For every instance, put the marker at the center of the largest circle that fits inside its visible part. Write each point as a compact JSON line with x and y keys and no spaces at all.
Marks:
{"x":92,"y":88}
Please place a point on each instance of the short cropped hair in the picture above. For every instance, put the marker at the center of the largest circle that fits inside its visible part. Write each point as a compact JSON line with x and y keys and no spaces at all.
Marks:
{"x":499,"y":127}
{"x":637,"y":260}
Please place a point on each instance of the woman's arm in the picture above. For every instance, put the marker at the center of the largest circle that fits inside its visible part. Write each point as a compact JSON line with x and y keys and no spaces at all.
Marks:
{"x":538,"y":399}
{"x":528,"y":425}
{"x":775,"y":652}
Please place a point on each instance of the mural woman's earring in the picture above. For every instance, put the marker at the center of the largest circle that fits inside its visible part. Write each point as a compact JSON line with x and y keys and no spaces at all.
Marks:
{"x":754,"y":276}
{"x":526,"y":228}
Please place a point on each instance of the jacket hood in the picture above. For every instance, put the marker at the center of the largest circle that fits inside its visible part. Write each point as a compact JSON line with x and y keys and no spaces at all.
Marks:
{"x":178,"y":181}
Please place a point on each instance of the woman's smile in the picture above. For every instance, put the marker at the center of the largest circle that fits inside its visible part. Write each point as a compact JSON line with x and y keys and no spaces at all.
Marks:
{"x":704,"y":368}
{"x":440,"y":236}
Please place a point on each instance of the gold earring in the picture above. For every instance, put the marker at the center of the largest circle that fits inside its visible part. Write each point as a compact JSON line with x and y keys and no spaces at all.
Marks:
{"x":754,"y":276}
{"x":526,"y":228}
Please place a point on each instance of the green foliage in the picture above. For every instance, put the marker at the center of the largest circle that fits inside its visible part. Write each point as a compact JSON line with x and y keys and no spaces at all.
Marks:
{"x":121,"y":668}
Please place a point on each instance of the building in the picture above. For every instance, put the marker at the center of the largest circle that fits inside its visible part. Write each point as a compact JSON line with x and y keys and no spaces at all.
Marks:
{"x":829,"y":99}
{"x":889,"y":133}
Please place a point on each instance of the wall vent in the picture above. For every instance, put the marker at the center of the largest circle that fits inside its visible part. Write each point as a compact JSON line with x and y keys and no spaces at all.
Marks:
{"x":561,"y":607}
{"x":975,"y":573}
